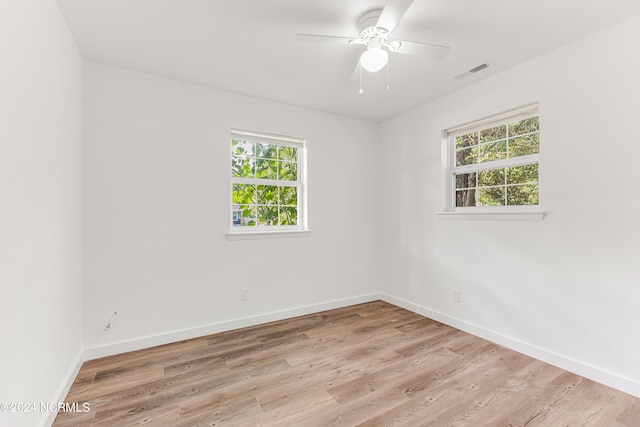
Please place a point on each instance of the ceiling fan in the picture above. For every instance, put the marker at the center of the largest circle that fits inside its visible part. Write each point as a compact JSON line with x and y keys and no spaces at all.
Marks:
{"x":375,"y":29}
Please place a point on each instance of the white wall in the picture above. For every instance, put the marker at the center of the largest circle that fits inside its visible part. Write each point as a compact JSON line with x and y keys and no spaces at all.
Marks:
{"x":157,"y":210}
{"x":41,"y":213}
{"x":565,"y":289}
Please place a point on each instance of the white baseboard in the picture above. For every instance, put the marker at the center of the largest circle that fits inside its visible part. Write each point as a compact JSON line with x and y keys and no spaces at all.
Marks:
{"x":64,"y":388}
{"x":184,"y":334}
{"x":580,"y":368}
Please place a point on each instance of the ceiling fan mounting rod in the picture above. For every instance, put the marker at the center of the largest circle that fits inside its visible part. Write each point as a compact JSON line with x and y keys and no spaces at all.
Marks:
{"x":369,"y":19}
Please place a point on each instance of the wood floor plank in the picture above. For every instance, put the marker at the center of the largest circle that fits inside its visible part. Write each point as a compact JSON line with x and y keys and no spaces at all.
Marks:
{"x":218,"y":411}
{"x":371,"y":364}
{"x":463,"y":383}
{"x":589,"y":403}
{"x":300,"y":410}
{"x":629,"y":416}
{"x":144,"y":415}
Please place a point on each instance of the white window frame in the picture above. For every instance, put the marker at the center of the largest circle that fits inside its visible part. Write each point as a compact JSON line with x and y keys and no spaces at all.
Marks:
{"x":449,"y":171}
{"x":265,"y":231}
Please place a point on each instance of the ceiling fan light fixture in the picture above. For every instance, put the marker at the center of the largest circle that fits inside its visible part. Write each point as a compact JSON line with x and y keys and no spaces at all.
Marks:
{"x":374,"y":59}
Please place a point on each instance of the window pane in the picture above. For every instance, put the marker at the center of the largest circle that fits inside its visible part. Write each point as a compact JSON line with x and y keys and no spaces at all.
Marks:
{"x":522,"y":174}
{"x":267,"y":215}
{"x":244,"y":215}
{"x":268,"y":151}
{"x":288,"y":216}
{"x":267,"y":194}
{"x":491,"y":177}
{"x":492,"y":134}
{"x":289,"y":196}
{"x":522,"y":194}
{"x":241,"y":148}
{"x":288,"y":171}
{"x":466,"y":180}
{"x":244,"y":194}
{"x":524,"y":126}
{"x":465,"y":141}
{"x":493,"y":151}
{"x":266,"y":169}
{"x":467,"y":156}
{"x":243,"y":167}
{"x":288,"y":153}
{"x":466,"y":197}
{"x":491,"y":196}
{"x":524,"y":145}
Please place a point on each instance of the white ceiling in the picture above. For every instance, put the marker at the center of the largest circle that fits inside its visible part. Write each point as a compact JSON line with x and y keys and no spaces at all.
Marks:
{"x":249,"y":46}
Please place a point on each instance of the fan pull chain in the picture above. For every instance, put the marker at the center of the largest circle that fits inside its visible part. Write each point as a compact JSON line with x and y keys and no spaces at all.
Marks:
{"x":388,"y":67}
{"x":360,"y":91}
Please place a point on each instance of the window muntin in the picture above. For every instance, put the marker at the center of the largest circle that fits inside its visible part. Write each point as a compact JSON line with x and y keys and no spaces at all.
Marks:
{"x":267,"y":185}
{"x":495,"y":162}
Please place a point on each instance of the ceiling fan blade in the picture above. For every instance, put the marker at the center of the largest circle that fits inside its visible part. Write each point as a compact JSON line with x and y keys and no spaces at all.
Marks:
{"x":312,"y":38}
{"x":428,"y":50}
{"x":392,"y":13}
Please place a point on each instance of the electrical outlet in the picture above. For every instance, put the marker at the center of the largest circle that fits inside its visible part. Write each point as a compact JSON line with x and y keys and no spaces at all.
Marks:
{"x":455,"y":295}
{"x":244,"y":294}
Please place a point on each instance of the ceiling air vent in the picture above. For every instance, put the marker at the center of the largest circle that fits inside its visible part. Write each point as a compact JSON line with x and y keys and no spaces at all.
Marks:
{"x":472,"y":71}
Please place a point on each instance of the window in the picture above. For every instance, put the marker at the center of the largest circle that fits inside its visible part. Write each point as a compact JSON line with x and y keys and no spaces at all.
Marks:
{"x":267,"y":182}
{"x":493,"y":164}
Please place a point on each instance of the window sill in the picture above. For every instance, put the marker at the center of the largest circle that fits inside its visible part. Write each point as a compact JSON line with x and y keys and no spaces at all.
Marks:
{"x":258,"y":235}
{"x":491,"y":216}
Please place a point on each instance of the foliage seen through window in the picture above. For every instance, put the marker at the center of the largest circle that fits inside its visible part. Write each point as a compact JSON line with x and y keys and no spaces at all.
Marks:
{"x":477,"y":183}
{"x":265,"y":184}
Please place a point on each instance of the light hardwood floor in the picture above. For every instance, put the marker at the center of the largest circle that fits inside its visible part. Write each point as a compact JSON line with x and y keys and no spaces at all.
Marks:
{"x":372,"y":364}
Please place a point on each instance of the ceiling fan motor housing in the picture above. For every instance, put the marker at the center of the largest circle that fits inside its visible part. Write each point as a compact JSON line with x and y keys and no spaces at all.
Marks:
{"x":368,"y":29}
